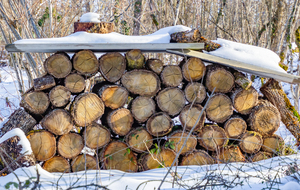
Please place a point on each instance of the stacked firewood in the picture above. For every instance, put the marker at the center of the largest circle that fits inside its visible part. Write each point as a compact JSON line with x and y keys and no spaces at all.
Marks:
{"x":131,"y":119}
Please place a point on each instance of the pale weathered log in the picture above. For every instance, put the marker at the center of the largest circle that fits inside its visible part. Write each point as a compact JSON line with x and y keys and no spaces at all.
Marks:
{"x":85,"y":62}
{"x":58,"y":65}
{"x":189,"y":117}
{"x":195,"y":92}
{"x":139,"y":140}
{"x":171,"y":76}
{"x":251,"y":142}
{"x":176,"y":140}
{"x":244,"y":100}
{"x":59,"y":96}
{"x":35,"y":102}
{"x":75,"y":83}
{"x":142,"y":108}
{"x":70,"y":145}
{"x":159,"y":124}
{"x":193,"y":69}
{"x":57,"y":164}
{"x":43,"y":82}
{"x":112,"y":66}
{"x":197,"y":157}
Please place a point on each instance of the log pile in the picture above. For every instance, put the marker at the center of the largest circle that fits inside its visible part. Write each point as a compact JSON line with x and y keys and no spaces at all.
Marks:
{"x":128,"y":122}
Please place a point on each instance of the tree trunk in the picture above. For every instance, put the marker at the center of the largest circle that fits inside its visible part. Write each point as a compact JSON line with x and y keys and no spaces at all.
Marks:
{"x":101,"y":28}
{"x":171,"y":76}
{"x":189,"y":116}
{"x":158,"y":158}
{"x":59,"y":96}
{"x":159,"y":124}
{"x":212,"y":137}
{"x":193,"y":69}
{"x":57,"y":164}
{"x":195,"y":92}
{"x":112,"y":66}
{"x":85,"y":62}
{"x":75,"y":83}
{"x":84,"y":162}
{"x":155,"y":65}
{"x":35,"y":102}
{"x":120,"y":121}
{"x":197,"y":157}
{"x":230,"y":154}
{"x":235,"y":127}
{"x":244,"y":100}
{"x":142,"y":108}
{"x":137,"y":15}
{"x":113,"y":96}
{"x":96,"y":136}
{"x":251,"y":142}
{"x":43,"y":83}
{"x":58,"y":65}
{"x":176,"y":140}
{"x":70,"y":145}
{"x":273,"y":144}
{"x":139,"y":139}
{"x":135,"y":59}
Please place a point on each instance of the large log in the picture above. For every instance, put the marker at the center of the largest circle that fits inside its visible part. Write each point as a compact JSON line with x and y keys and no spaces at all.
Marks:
{"x":212,"y":137}
{"x":197,"y":157}
{"x":195,"y":92}
{"x":171,"y":76}
{"x":193,"y":69}
{"x":96,"y":136}
{"x":235,"y":127}
{"x":112,"y":66}
{"x":113,"y":96}
{"x":35,"y":102}
{"x":70,"y":145}
{"x":135,"y":59}
{"x":189,"y":117}
{"x":251,"y":142}
{"x":289,"y":115}
{"x":59,"y":96}
{"x":139,"y":140}
{"x":58,"y":65}
{"x":43,"y":83}
{"x":158,"y":158}
{"x":244,"y":100}
{"x":57,"y":164}
{"x":84,"y":162}
{"x":159,"y":124}
{"x":155,"y":65}
{"x":176,"y":140}
{"x":85,"y":62}
{"x":75,"y":83}
{"x":120,"y":121}
{"x":142,"y":108}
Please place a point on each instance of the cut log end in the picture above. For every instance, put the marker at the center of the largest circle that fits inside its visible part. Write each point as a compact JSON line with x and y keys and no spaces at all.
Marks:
{"x":273,"y":144}
{"x":75,"y":83}
{"x":120,"y":121}
{"x":57,"y":164}
{"x":96,"y":136}
{"x":230,"y":154}
{"x":198,"y":157}
{"x":142,"y":108}
{"x":156,"y":65}
{"x":219,"y":78}
{"x":139,"y":140}
{"x":193,"y":69}
{"x":159,"y":124}
{"x":176,"y":140}
{"x":59,"y":96}
{"x":195,"y":92}
{"x":84,"y":162}
{"x":189,"y":117}
{"x":58,"y":65}
{"x":261,"y":156}
{"x":219,"y":108}
{"x":113,"y":96}
{"x":35,"y":102}
{"x":251,"y":142}
{"x":159,"y":159}
{"x":212,"y":137}
{"x":85,"y":62}
{"x":135,"y":59}
{"x":171,"y":76}
{"x":235,"y":127}
{"x":244,"y":100}
{"x":70,"y":145}
{"x":112,"y":66}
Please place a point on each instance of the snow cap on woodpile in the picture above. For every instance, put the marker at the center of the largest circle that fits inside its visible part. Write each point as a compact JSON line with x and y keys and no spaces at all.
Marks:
{"x":90,"y":17}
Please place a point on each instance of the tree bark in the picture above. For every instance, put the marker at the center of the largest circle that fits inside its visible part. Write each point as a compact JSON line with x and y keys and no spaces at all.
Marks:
{"x":43,"y":83}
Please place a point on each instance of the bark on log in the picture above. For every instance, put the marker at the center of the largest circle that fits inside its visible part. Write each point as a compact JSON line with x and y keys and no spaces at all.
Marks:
{"x":117,"y":155}
{"x":189,"y":116}
{"x":139,"y":139}
{"x":57,"y":164}
{"x":113,"y":96}
{"x":289,"y":115}
{"x":264,"y":118}
{"x":141,"y":82}
{"x":158,"y":159}
{"x":43,"y":144}
{"x":242,"y":80}
{"x":58,"y":65}
{"x":251,"y":142}
{"x":120,"y":121}
{"x":96,"y":136}
{"x":35,"y":102}
{"x":75,"y":83}
{"x":135,"y":59}
{"x":195,"y":92}
{"x":219,"y":108}
{"x":43,"y":83}
{"x":193,"y":69}
{"x":235,"y":127}
{"x":176,"y":140}
{"x":273,"y":144}
{"x":84,"y":162}
{"x":90,"y":27}
{"x":59,"y":96}
{"x":261,"y":156}
{"x":85,"y":62}
{"x":244,"y":100}
{"x":155,"y":65}
{"x":58,"y":122}
{"x":197,"y":157}
{"x":70,"y":145}
{"x":112,"y":66}
{"x":142,"y":108}
{"x":190,"y":36}
{"x":171,"y":76}
{"x":171,"y":100}
{"x":159,"y":124}
{"x":212,"y":137}
{"x":230,"y":154}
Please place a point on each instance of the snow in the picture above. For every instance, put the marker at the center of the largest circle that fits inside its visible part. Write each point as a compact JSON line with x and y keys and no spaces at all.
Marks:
{"x":90,"y":17}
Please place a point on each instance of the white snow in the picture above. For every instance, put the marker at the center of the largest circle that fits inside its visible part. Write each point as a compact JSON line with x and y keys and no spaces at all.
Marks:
{"x":252,"y":55}
{"x":90,"y":17}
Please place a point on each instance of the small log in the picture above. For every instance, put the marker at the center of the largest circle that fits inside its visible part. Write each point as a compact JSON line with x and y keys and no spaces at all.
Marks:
{"x":112,"y":66}
{"x":195,"y":92}
{"x":70,"y":145}
{"x":58,"y":65}
{"x":155,"y":65}
{"x":171,"y":100}
{"x":235,"y":127}
{"x":251,"y":142}
{"x":59,"y":96}
{"x":141,"y":82}
{"x":139,"y":139}
{"x":193,"y":69}
{"x":57,"y":164}
{"x":242,"y":80}
{"x":96,"y":136}
{"x":190,"y":36}
{"x":86,"y":108}
{"x":35,"y":102}
{"x":135,"y":59}
{"x":120,"y":121}
{"x":75,"y":83}
{"x":171,"y":76}
{"x":159,"y":124}
{"x":117,"y":155}
{"x":142,"y":108}
{"x":176,"y":140}
{"x":158,"y":158}
{"x":85,"y":62}
{"x":84,"y":162}
{"x":43,"y":144}
{"x":58,"y":122}
{"x":113,"y":96}
{"x":219,"y":108}
{"x":264,"y":118}
{"x":212,"y":137}
{"x":189,"y":116}
{"x":273,"y":144}
{"x":289,"y":115}
{"x":19,"y":119}
{"x":197,"y":157}
{"x":91,"y":27}
{"x":220,"y":78}
{"x":230,"y":154}
{"x":261,"y":156}
{"x":244,"y":100}
{"x":43,"y":83}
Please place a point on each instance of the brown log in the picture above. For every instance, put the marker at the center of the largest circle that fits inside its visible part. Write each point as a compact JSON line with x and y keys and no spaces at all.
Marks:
{"x":96,"y":136}
{"x":159,"y":124}
{"x":273,"y":144}
{"x":171,"y":76}
{"x":261,"y":156}
{"x":193,"y":69}
{"x":212,"y":137}
{"x":120,"y":121}
{"x":230,"y":154}
{"x":58,"y":122}
{"x":84,"y":162}
{"x":35,"y":102}
{"x":112,"y":66}
{"x":90,"y":27}
{"x":141,"y":82}
{"x":242,"y":80}
{"x":86,"y":108}
{"x":264,"y":118}
{"x":70,"y":145}
{"x":251,"y":142}
{"x":113,"y":96}
{"x":57,"y":164}
{"x":176,"y":140}
{"x":219,"y":108}
{"x":43,"y":144}
{"x":159,"y":158}
{"x":289,"y":115}
{"x":85,"y":62}
{"x":75,"y":83}
{"x":190,"y":36}
{"x":117,"y":155}
{"x":19,"y":119}
{"x":142,"y":108}
{"x":197,"y":157}
{"x":43,"y":83}
{"x":195,"y":92}
{"x":135,"y":59}
{"x":220,"y":78}
{"x":59,"y":96}
{"x":155,"y":65}
{"x":189,"y":116}
{"x":171,"y":100}
{"x":139,"y":139}
{"x":235,"y":127}
{"x":244,"y":100}
{"x":58,"y":65}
